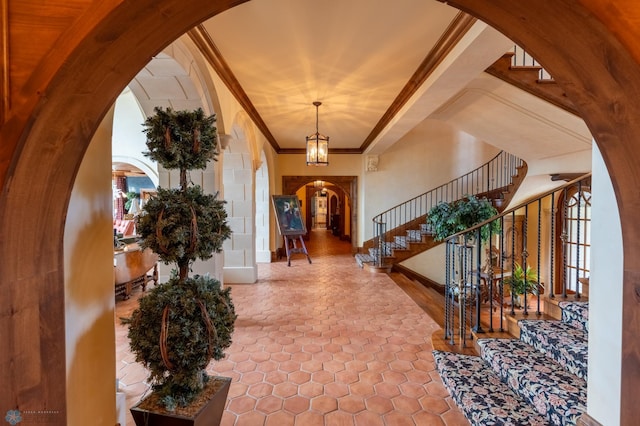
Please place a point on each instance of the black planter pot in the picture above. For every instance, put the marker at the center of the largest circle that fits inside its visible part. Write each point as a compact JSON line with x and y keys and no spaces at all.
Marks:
{"x":209,"y":415}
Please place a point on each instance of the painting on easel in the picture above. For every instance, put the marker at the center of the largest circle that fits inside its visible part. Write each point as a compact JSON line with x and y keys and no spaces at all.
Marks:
{"x":291,"y":225}
{"x":288,"y":214}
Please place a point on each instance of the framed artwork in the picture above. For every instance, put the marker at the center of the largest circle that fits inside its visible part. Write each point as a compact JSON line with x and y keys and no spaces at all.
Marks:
{"x":288,"y":214}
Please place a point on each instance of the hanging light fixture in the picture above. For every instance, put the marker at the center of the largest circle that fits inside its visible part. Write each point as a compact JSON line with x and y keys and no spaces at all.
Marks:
{"x":317,"y":146}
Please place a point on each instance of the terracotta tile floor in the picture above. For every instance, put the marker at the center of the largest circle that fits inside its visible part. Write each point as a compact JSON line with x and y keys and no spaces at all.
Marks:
{"x":324,"y":343}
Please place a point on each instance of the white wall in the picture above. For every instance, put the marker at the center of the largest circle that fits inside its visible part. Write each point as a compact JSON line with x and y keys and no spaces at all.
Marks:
{"x":430,"y":155}
{"x":239,"y":192}
{"x":263,"y":208}
{"x":128,"y":140}
{"x":605,"y":299}
{"x":89,"y":290}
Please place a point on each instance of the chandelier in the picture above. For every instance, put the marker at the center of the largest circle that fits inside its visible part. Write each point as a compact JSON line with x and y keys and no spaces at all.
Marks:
{"x":317,"y":146}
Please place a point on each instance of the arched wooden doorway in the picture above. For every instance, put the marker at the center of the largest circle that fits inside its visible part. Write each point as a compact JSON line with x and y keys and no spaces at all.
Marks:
{"x":348,"y":184}
{"x":590,"y":46}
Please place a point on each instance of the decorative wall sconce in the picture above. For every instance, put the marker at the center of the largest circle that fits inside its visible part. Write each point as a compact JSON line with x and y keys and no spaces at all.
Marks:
{"x":372,"y":163}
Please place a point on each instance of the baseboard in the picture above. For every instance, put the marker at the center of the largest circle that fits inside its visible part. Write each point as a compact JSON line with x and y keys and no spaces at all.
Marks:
{"x":418,"y":277}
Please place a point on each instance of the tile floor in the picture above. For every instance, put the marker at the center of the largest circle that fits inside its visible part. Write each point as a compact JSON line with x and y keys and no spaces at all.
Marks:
{"x":324,"y":343}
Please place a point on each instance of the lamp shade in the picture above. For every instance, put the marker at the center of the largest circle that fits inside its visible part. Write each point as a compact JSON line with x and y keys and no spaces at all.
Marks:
{"x":317,"y":150}
{"x":317,"y":146}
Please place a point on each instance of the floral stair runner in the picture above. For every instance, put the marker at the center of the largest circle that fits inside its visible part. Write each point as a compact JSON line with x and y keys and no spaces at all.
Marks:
{"x":545,"y":370}
{"x":576,"y":314}
{"x":481,"y":395}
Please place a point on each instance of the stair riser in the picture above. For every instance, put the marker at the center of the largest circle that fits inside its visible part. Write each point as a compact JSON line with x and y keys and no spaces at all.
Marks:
{"x":551,"y":390}
{"x":560,"y":342}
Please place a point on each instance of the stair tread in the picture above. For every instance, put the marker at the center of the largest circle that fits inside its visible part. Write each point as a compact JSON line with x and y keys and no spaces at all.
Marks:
{"x":545,"y":384}
{"x":558,"y":340}
{"x":480,"y":394}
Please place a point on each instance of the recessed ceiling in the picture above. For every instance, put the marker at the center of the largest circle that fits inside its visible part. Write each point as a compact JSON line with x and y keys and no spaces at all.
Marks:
{"x":378,"y":71}
{"x":354,"y":56}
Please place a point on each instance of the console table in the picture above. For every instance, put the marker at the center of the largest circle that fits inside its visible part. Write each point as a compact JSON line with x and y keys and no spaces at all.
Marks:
{"x":131,"y":270}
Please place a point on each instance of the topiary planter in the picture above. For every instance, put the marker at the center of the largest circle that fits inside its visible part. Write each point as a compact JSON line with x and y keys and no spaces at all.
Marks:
{"x":184,"y":323}
{"x":210,"y":414}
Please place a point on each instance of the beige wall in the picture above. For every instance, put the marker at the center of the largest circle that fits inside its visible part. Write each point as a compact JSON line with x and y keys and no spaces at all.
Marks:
{"x":89,"y":288}
{"x":430,"y":155}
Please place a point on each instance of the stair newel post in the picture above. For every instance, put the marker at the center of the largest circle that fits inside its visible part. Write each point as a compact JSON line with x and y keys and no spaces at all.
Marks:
{"x":490,"y":279}
{"x":380,"y":244}
{"x":501,"y":282}
{"x":513,"y":262}
{"x":476,"y":277}
{"x":525,"y":255}
{"x":461,"y":290}
{"x":448,"y":323}
{"x":564,"y":237}
{"x":552,"y":293}
{"x":578,"y":208}
{"x":539,"y":253}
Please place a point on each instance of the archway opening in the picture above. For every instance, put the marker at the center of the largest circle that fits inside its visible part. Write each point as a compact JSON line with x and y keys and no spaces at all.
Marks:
{"x":606,"y":96}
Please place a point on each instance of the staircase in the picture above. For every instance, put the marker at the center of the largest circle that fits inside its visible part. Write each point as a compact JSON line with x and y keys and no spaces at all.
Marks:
{"x":538,"y":379}
{"x":531,"y":78}
{"x":401,"y":232}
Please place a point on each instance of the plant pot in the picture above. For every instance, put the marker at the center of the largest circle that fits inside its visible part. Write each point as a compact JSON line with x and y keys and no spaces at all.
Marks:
{"x":210,"y":414}
{"x":519,"y":301}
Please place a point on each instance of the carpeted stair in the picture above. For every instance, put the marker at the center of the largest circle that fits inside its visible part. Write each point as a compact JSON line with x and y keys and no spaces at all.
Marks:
{"x":363,"y":258}
{"x":545,"y":370}
{"x":388,"y":247}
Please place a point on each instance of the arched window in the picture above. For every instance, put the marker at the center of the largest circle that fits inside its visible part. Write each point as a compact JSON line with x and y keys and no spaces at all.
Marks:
{"x":573,"y":238}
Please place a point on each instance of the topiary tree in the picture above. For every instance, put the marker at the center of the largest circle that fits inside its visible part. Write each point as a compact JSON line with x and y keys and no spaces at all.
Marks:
{"x":450,"y":218}
{"x":182,"y":324}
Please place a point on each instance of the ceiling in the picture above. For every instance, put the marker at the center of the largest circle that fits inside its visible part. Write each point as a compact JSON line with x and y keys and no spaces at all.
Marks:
{"x":357,"y":57}
{"x":378,"y":71}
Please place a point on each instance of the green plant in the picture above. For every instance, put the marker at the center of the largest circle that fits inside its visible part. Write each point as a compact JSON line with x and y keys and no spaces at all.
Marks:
{"x":450,"y":218}
{"x":182,"y":324}
{"x":522,"y":280}
{"x":130,"y":197}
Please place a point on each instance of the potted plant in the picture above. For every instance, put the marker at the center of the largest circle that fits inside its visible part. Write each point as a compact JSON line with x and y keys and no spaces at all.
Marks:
{"x":522,"y":281}
{"x":447,"y":219}
{"x":182,"y":324}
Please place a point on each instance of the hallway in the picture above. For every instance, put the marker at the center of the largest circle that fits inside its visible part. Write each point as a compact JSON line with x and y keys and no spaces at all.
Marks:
{"x":320,"y":344}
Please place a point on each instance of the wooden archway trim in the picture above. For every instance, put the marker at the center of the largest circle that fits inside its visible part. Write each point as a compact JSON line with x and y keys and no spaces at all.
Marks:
{"x":58,"y":100}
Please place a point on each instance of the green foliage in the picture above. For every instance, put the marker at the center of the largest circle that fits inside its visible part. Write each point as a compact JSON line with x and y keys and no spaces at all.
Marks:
{"x":450,"y":218}
{"x":522,"y":281}
{"x":130,"y":197}
{"x":167,"y":227}
{"x":190,"y":345}
{"x":194,"y":316}
{"x":183,"y":140}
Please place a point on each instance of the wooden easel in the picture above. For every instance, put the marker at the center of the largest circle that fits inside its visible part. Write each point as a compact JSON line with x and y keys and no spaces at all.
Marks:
{"x":291,"y":240}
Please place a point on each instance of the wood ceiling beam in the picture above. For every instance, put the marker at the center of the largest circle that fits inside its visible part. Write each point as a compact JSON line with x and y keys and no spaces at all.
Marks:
{"x":451,"y":36}
{"x":205,"y":44}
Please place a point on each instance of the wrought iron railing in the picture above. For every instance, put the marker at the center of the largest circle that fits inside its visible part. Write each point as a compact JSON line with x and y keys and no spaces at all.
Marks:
{"x":549,"y":235}
{"x":489,"y":179}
